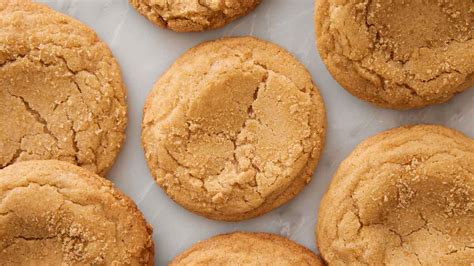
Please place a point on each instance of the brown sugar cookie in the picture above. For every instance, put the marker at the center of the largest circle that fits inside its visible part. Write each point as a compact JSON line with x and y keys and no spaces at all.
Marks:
{"x":234,"y":128}
{"x":241,"y":248}
{"x":61,"y":92}
{"x":403,"y":197}
{"x":56,"y":213}
{"x":193,"y":15}
{"x":398,"y":54}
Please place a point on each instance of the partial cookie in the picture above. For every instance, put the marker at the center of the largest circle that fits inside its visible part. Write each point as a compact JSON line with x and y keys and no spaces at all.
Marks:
{"x":403,"y":197}
{"x":398,"y":54}
{"x":247,"y":249}
{"x":234,"y":128}
{"x":61,"y":92}
{"x":57,"y":213}
{"x":193,"y":15}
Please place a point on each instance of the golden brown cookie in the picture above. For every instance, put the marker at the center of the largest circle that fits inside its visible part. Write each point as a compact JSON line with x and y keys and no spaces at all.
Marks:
{"x":398,"y":54}
{"x":61,"y":93}
{"x":57,"y":213}
{"x":234,"y":128}
{"x":241,"y":248}
{"x":193,"y":15}
{"x":403,"y":197}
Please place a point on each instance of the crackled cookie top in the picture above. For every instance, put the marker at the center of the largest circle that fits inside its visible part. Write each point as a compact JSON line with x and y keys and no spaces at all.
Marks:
{"x":193,"y":15}
{"x":403,"y":197}
{"x":57,"y":213}
{"x":398,"y":54}
{"x":247,"y":249}
{"x":61,"y":94}
{"x":234,"y":128}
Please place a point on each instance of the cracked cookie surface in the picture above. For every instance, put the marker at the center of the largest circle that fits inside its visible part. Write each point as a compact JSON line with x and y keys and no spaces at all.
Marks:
{"x":398,"y":54}
{"x":57,"y":213}
{"x":234,"y":128}
{"x":193,"y":15}
{"x":61,"y":92}
{"x":241,"y":248}
{"x":403,"y":197}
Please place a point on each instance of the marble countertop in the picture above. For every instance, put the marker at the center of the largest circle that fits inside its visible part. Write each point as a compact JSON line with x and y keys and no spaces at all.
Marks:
{"x":145,"y":51}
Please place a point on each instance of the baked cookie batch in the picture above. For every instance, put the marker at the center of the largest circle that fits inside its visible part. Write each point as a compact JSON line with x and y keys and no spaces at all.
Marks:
{"x":232,"y":130}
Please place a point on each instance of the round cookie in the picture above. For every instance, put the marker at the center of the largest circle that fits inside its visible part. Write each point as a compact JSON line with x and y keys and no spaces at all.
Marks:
{"x":193,"y":15}
{"x":61,"y":214}
{"x":234,"y":128}
{"x":241,"y":248}
{"x":398,"y":54}
{"x":61,"y":92}
{"x":403,"y":197}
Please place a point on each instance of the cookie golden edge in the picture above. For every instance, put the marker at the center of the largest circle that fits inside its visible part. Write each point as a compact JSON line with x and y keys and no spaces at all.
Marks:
{"x":94,"y":179}
{"x":306,"y":174}
{"x":186,"y":25}
{"x":275,"y":239}
{"x":122,"y":91}
{"x":353,"y":83}
{"x":325,"y":206}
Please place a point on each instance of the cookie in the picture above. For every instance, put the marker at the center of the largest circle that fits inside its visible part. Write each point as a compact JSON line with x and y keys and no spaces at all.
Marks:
{"x":193,"y":15}
{"x":61,"y":91}
{"x":234,"y":128}
{"x":57,"y":213}
{"x":398,"y":54}
{"x":402,"y":197}
{"x":241,"y":248}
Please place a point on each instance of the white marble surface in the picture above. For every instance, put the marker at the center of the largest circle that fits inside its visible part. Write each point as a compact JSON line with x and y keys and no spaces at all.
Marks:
{"x":145,"y":52}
